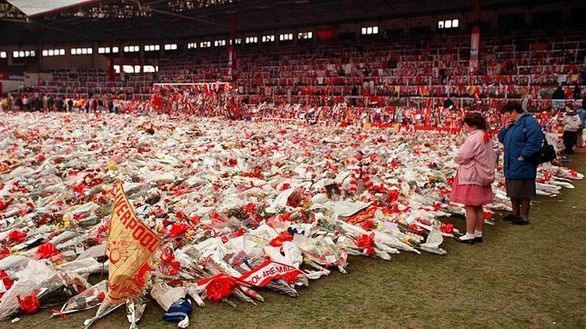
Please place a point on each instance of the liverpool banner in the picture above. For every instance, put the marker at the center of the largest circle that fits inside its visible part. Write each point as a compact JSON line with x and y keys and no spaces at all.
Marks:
{"x":131,"y":245}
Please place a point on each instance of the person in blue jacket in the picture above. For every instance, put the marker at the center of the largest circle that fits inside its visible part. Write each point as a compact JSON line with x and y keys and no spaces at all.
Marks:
{"x":522,"y":138}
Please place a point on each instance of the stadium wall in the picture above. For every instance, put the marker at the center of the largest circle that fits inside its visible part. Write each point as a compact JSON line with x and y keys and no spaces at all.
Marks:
{"x":74,"y":62}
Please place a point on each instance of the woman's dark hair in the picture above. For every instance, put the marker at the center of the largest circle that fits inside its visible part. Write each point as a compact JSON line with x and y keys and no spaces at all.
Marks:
{"x":512,"y":107}
{"x":475,"y":120}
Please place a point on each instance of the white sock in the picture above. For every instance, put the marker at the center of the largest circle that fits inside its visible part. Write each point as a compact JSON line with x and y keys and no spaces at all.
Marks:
{"x":477,"y":234}
{"x":467,"y":236}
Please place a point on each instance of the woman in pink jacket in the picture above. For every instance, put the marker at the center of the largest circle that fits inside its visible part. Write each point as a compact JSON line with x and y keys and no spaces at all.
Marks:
{"x":472,"y":184}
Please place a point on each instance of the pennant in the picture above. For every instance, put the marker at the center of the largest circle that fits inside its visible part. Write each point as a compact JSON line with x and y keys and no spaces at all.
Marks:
{"x":131,"y":245}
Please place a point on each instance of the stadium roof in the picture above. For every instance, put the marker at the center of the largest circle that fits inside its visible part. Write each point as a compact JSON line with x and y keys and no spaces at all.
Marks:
{"x":68,"y":21}
{"x":33,"y":8}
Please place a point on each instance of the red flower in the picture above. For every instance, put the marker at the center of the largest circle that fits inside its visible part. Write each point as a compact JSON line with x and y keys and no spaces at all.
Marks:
{"x":286,"y":216}
{"x":238,"y":232}
{"x":416,"y":229}
{"x":5,"y":204}
{"x":250,"y":208}
{"x":294,"y":200}
{"x":172,"y":266}
{"x":5,"y":281}
{"x":216,"y":218}
{"x":367,"y":225}
{"x":29,"y":304}
{"x":378,"y":189}
{"x":46,"y":250}
{"x":17,"y":236}
{"x":195,"y":219}
{"x":391,"y":210}
{"x":291,"y":277}
{"x":285,"y":186}
{"x":447,"y":228}
{"x":219,"y":286}
{"x":179,"y":191}
{"x":4,"y":252}
{"x":366,"y":243}
{"x":177,"y":229}
{"x":282,"y":237}
{"x":44,"y":218}
{"x":78,"y":189}
{"x":392,"y":195}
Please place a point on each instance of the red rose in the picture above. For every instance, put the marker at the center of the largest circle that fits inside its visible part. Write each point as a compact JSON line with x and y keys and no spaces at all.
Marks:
{"x":195,"y":219}
{"x":17,"y":236}
{"x":282,"y":237}
{"x":366,"y":243}
{"x":447,"y":228}
{"x":177,"y":229}
{"x":291,"y":277}
{"x":4,"y":252}
{"x":29,"y":304}
{"x":392,"y":195}
{"x":5,"y":204}
{"x":219,"y":286}
{"x":5,"y":281}
{"x":250,"y":208}
{"x":46,"y":250}
{"x":367,"y":225}
{"x":286,"y":216}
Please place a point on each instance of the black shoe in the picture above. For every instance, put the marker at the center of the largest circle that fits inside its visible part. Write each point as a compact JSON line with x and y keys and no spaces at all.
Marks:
{"x":509,"y":218}
{"x":520,"y":221}
{"x":478,"y":239}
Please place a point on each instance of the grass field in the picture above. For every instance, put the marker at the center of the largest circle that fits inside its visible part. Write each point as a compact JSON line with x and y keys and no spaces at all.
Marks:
{"x":520,"y":277}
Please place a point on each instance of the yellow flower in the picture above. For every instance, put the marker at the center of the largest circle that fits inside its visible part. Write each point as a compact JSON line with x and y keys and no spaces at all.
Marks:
{"x":112,"y":166}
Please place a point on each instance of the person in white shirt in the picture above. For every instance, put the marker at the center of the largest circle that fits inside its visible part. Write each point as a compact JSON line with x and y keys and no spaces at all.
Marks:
{"x":572,"y":124}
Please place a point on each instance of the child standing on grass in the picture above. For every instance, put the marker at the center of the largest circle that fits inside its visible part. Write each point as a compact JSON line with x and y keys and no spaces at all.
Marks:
{"x":472,"y":184}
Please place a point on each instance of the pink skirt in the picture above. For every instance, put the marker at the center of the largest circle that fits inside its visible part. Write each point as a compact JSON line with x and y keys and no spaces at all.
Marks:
{"x":471,"y":195}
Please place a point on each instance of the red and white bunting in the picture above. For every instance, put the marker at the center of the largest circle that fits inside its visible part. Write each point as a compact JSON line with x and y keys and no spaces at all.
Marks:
{"x":268,"y":271}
